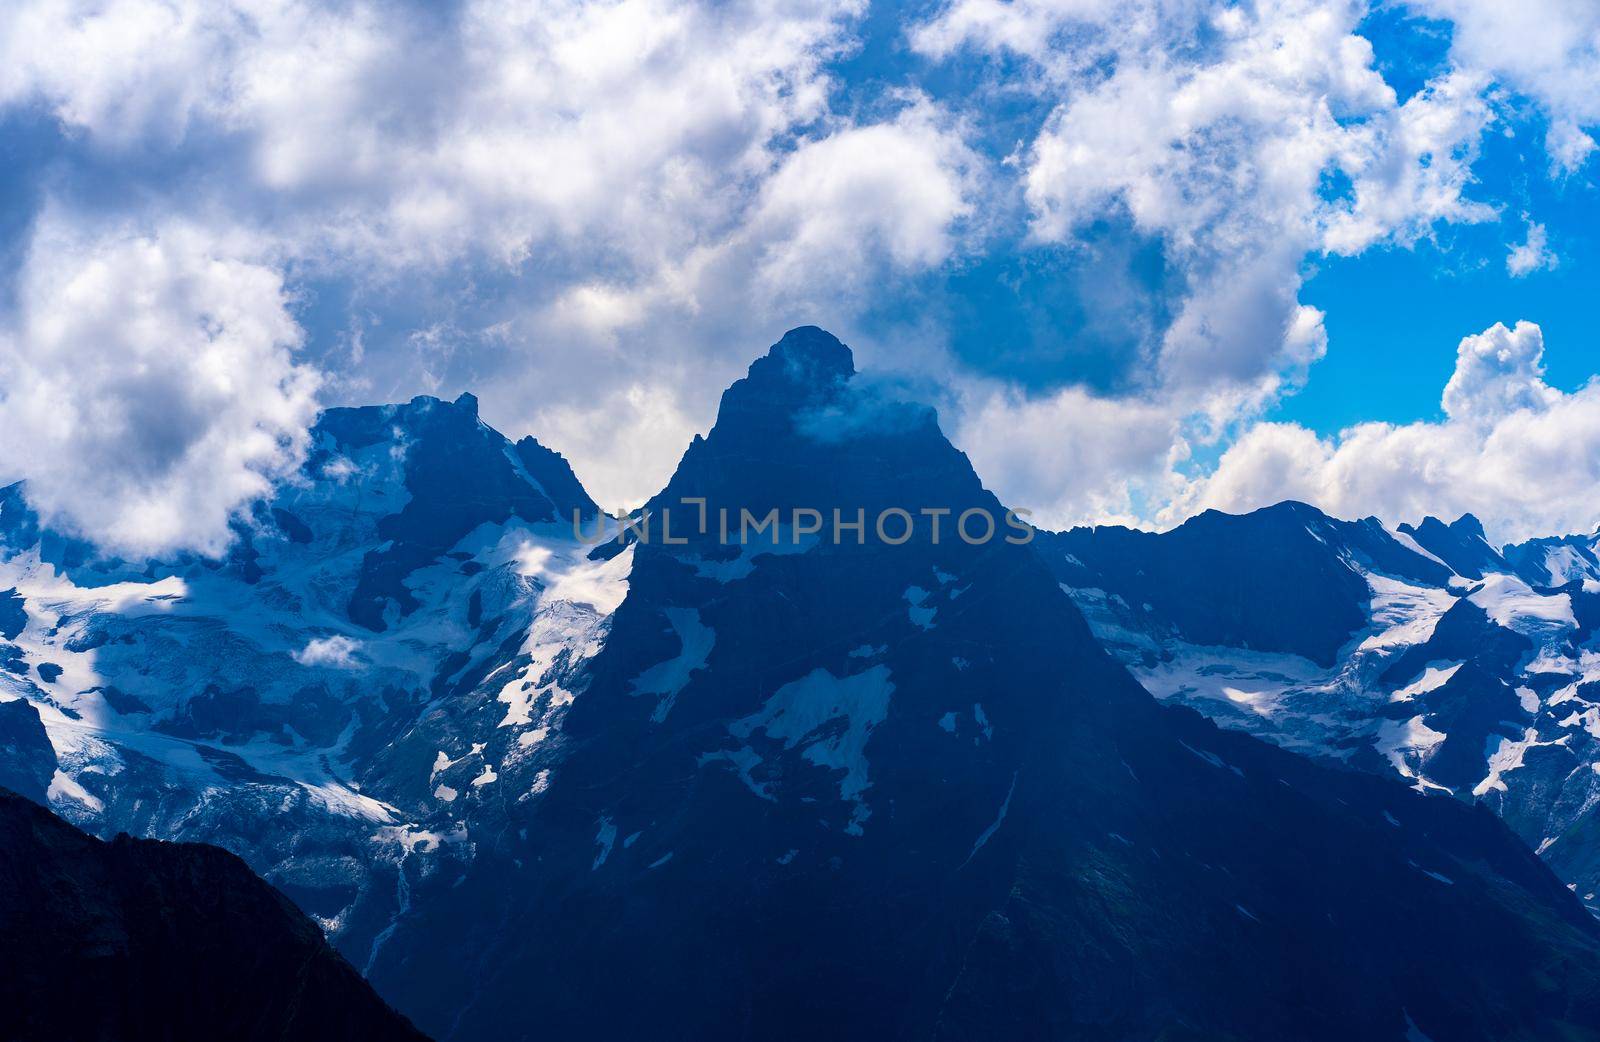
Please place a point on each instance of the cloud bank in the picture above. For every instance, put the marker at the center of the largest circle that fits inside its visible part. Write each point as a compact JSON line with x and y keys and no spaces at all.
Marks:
{"x":148,"y":385}
{"x":592,"y":214}
{"x":1521,"y":455}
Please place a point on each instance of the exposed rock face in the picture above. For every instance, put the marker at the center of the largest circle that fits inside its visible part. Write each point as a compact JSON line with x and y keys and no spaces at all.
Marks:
{"x":27,"y":761}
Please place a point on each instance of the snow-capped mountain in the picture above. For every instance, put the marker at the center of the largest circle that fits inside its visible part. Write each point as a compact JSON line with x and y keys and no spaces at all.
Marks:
{"x":850,"y":782}
{"x":390,"y":647}
{"x":1422,"y":652}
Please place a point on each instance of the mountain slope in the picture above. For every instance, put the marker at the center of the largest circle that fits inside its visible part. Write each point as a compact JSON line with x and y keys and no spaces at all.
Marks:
{"x":1278,"y":580}
{"x":343,"y":700}
{"x":871,"y":789}
{"x":140,"y":939}
{"x":1479,"y":677}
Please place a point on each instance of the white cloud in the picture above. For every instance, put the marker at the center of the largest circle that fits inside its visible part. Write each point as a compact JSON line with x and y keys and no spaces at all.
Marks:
{"x":121,"y":70}
{"x":1244,"y":139}
{"x":625,"y":439}
{"x":1498,"y":372}
{"x":1071,"y":457}
{"x":1547,"y":50}
{"x":597,"y":211}
{"x":664,"y":181}
{"x":1223,"y":151}
{"x":895,"y":189}
{"x":335,"y":652}
{"x":1533,"y":254}
{"x":408,"y":136}
{"x":1521,"y":455}
{"x":148,"y":387}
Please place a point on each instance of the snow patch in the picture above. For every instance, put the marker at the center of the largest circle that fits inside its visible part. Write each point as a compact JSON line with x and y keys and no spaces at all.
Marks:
{"x":1403,"y":741}
{"x":920,"y":615}
{"x":666,"y":679}
{"x":1508,"y":757}
{"x":988,"y":833}
{"x":797,"y":712}
{"x":1433,"y":677}
{"x":1512,"y":603}
{"x":605,"y":838}
{"x":1212,"y":758}
{"x":64,"y":786}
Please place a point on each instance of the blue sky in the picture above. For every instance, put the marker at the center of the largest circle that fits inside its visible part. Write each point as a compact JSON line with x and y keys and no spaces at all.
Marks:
{"x":1147,"y":257}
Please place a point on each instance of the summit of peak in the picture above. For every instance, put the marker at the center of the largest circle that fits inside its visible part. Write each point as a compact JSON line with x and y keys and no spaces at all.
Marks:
{"x":807,"y":369}
{"x":806,"y":355}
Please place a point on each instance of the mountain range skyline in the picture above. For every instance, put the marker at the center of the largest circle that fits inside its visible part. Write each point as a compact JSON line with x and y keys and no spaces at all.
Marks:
{"x":751,"y":520}
{"x":486,"y":758}
{"x":586,"y":509}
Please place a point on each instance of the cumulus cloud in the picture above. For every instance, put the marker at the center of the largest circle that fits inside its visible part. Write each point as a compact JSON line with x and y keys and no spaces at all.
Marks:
{"x":148,"y":385}
{"x":1521,"y":455}
{"x":1547,"y":50}
{"x":335,"y":652}
{"x":1223,"y":150}
{"x":1243,"y":139}
{"x":593,"y":214}
{"x":895,"y":189}
{"x":1531,"y":255}
{"x":1072,"y":457}
{"x":664,"y":182}
{"x":408,"y":134}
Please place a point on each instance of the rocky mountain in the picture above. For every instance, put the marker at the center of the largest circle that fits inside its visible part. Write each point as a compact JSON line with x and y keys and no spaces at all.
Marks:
{"x":869,"y":788}
{"x":1422,"y":653}
{"x":838,"y":772}
{"x":393,"y":634}
{"x":137,"y":939}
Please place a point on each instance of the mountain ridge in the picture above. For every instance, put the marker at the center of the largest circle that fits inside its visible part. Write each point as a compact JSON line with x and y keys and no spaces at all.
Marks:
{"x":143,"y":939}
{"x":650,"y":787}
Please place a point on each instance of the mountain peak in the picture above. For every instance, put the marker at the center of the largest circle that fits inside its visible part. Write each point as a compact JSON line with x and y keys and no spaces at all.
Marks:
{"x":808,"y":369}
{"x":806,"y":355}
{"x":1460,"y":544}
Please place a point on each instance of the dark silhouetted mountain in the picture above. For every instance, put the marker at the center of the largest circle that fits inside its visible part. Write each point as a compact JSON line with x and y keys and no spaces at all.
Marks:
{"x":805,"y":785}
{"x":1285,"y":578}
{"x":139,"y":939}
{"x":1465,"y":670}
{"x":847,"y":789}
{"x":1461,"y":544}
{"x":556,"y":479}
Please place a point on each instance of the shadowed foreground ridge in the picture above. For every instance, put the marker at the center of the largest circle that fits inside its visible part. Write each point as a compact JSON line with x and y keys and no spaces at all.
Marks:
{"x":139,"y":939}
